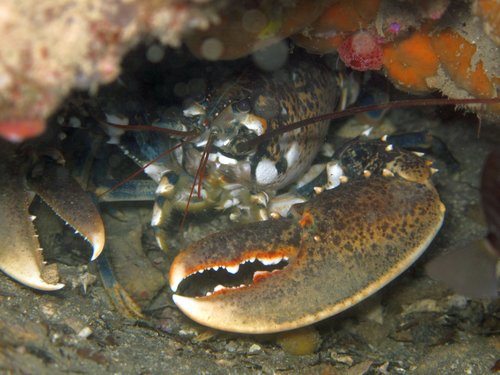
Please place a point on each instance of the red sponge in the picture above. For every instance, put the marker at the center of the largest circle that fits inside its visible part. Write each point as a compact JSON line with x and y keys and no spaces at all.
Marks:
{"x":361,"y":51}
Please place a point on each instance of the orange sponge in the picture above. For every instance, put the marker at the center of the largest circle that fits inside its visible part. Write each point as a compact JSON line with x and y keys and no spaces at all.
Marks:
{"x":409,"y":62}
{"x":347,"y":16}
{"x":489,"y":11}
{"x":456,"y":56}
{"x":245,"y":29}
{"x":339,"y":20}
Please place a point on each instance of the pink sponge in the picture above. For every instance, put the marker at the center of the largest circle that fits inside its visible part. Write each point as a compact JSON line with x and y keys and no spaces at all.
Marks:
{"x":361,"y":51}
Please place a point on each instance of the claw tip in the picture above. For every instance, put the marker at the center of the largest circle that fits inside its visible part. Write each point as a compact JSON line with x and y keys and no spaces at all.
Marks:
{"x":98,"y":245}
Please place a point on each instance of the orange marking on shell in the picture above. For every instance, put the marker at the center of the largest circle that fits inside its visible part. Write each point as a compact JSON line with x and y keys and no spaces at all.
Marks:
{"x":261,"y":275}
{"x":263,"y":121}
{"x":306,"y":220}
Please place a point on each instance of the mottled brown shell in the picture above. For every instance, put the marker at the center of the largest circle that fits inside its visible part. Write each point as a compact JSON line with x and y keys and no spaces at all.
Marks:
{"x":350,"y":242}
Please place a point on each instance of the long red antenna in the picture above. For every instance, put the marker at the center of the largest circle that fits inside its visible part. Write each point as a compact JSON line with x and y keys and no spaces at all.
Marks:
{"x":140,"y":170}
{"x":148,"y":128}
{"x":352,"y":111}
{"x":199,"y":176}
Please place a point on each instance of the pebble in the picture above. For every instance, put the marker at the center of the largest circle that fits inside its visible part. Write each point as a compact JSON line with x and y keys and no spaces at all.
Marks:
{"x":84,"y":332}
{"x":342,"y":358}
{"x":254,"y":348}
{"x":301,"y":341}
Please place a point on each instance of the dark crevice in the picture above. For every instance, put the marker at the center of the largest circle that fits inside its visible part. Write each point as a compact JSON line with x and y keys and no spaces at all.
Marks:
{"x":199,"y":284}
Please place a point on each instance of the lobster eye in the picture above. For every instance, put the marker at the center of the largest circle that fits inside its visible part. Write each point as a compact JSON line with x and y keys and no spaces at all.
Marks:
{"x":243,"y":106}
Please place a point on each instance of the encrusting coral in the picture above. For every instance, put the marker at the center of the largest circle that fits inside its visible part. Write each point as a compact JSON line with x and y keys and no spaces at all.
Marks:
{"x":489,"y":12}
{"x":410,"y":62}
{"x":421,"y":46}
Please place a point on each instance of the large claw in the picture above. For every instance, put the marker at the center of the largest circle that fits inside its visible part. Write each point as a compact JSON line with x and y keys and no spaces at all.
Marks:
{"x":349,"y":243}
{"x":20,"y":252}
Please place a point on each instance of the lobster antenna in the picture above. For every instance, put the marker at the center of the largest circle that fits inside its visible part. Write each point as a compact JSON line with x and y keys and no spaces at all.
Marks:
{"x":141,"y":169}
{"x":243,"y":147}
{"x":199,"y":176}
{"x":148,"y":128}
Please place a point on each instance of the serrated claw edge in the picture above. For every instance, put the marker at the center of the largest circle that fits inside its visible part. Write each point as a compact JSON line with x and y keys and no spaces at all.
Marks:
{"x":65,"y":196}
{"x":20,"y":253}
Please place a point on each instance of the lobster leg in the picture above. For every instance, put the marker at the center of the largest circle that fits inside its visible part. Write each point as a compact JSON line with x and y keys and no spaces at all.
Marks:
{"x":172,"y":195}
{"x":117,"y":294}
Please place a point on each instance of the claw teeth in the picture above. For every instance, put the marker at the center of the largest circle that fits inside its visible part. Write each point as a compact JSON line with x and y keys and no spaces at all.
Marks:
{"x":176,"y":278}
{"x":270,"y":262}
{"x":233,"y":269}
{"x":219,"y":287}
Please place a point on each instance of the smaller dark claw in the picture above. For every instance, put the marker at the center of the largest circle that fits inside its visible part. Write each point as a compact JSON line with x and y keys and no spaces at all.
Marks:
{"x":65,"y":196}
{"x":20,"y":252}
